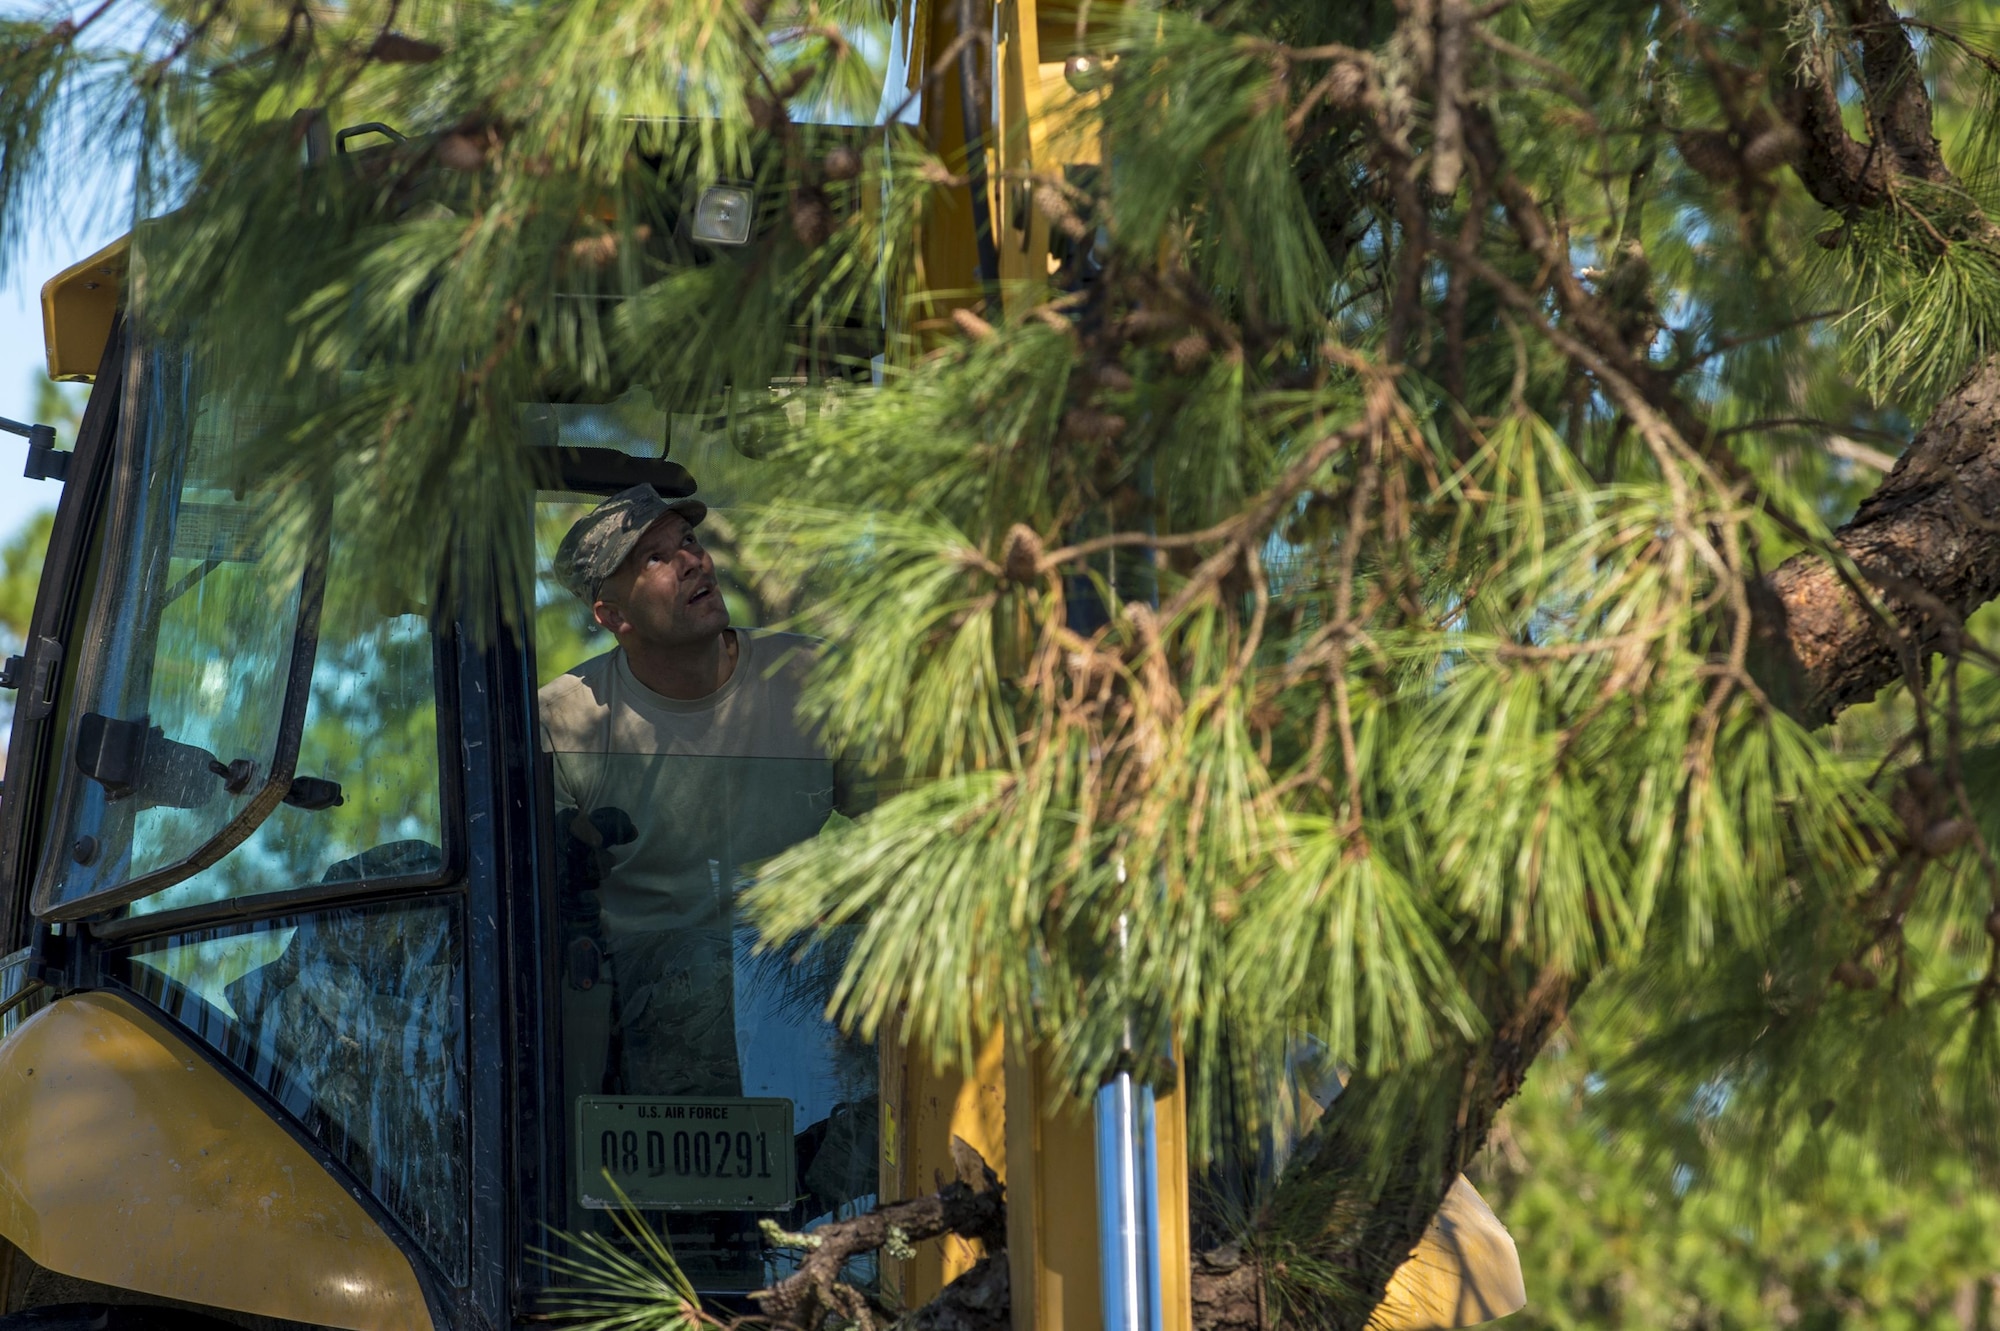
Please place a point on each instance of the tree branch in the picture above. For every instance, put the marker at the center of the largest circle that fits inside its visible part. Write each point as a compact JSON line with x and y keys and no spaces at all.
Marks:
{"x":1899,"y":106}
{"x":1838,"y":171}
{"x":1934,"y":523}
{"x":973,"y":1206}
{"x":1371,"y":1176}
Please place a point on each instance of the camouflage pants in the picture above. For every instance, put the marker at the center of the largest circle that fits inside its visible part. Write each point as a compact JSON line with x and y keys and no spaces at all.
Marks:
{"x":677,"y":1013}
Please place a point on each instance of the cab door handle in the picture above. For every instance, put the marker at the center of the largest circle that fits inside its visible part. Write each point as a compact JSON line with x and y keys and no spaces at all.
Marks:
{"x":39,"y":698}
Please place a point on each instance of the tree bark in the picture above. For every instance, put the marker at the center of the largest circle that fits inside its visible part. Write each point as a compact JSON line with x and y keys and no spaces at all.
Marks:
{"x":973,"y":1206}
{"x":1928,"y":541}
{"x":1227,"y":1291}
{"x":979,"y":1300}
{"x":1375,"y":1170}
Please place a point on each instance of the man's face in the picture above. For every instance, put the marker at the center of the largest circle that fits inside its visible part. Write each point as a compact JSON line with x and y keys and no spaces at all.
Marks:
{"x":665,"y":593}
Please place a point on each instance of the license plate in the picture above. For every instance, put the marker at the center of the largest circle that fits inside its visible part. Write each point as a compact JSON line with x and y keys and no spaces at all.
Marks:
{"x":684,"y":1153}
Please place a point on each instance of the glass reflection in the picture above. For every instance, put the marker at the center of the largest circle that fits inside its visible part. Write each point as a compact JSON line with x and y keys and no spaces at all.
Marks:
{"x":371,"y":728}
{"x":183,"y":702}
{"x":664,"y":996}
{"x":354,"y":1020}
{"x":666,"y":802}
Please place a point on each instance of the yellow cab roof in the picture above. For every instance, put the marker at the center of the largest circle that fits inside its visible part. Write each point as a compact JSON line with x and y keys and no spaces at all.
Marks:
{"x":79,"y":305}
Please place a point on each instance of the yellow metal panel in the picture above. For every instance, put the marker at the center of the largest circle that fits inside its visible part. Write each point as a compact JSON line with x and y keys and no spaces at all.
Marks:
{"x":127,"y":1160}
{"x":1051,"y":1205}
{"x":979,"y":1117}
{"x":1043,"y":125}
{"x":79,"y":305}
{"x":930,"y":1108}
{"x":1020,"y":230}
{"x":1464,"y":1270}
{"x":1052,"y":1238}
{"x":1170,"y":1139}
{"x":1040,"y":129}
{"x":948,"y":249}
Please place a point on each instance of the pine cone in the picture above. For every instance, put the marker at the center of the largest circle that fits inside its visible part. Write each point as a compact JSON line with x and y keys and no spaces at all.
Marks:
{"x":1190,"y":352}
{"x":1085,"y":426}
{"x":971,"y":324}
{"x":1942,"y":838}
{"x":595,"y":251}
{"x":1770,"y":149}
{"x":461,"y":152}
{"x":1345,"y":86}
{"x":842,"y":163}
{"x":812,"y":220}
{"x":1923,"y":780}
{"x":394,"y":48}
{"x":1912,"y":812}
{"x":1023,"y":560}
{"x":1057,"y":209}
{"x":1150,"y":323}
{"x":1708,"y":151}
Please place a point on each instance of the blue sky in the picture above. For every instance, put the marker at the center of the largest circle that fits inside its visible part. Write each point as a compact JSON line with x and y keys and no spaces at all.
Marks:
{"x":55,"y":240}
{"x":68,"y":220}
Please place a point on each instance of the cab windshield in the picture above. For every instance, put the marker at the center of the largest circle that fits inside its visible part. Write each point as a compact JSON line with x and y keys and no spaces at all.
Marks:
{"x":184,"y":700}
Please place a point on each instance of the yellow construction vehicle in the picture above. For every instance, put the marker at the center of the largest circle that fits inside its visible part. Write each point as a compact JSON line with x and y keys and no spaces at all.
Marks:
{"x":300,"y":1025}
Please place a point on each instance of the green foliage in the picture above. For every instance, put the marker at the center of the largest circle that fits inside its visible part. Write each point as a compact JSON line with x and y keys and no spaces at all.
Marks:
{"x":1321,"y":611}
{"x":60,"y":405}
{"x":20,"y":574}
{"x":21,"y":556}
{"x":32,"y":77}
{"x":1611,"y":1235}
{"x":631,"y":1283}
{"x":1922,"y":311}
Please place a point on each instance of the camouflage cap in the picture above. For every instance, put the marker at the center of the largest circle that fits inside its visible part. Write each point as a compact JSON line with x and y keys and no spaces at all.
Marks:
{"x":603,"y":537}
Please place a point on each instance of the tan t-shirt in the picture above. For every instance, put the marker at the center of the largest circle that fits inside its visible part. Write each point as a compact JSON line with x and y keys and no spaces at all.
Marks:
{"x":712,"y":785}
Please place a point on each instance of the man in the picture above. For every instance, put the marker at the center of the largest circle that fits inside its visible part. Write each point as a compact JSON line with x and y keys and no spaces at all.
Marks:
{"x":679,"y":759}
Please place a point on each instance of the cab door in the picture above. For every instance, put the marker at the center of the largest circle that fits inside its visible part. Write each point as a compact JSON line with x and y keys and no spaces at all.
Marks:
{"x":238,"y":806}
{"x":689,"y":1079}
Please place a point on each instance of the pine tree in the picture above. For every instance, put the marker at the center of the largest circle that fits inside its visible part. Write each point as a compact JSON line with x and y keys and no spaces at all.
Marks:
{"x":1393,"y":575}
{"x":1621,"y":1224}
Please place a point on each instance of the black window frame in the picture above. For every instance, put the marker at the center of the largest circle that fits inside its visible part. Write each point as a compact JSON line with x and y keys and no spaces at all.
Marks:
{"x":62,"y":606}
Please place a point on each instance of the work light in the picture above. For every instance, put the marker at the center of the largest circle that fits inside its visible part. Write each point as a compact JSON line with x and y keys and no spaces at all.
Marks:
{"x":722,"y":215}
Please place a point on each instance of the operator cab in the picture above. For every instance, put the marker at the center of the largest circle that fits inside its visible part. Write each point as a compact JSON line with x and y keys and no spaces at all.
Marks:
{"x":311,"y":822}
{"x":306,"y":819}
